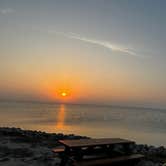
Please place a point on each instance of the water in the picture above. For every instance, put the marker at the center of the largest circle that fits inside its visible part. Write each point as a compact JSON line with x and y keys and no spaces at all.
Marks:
{"x":141,"y":125}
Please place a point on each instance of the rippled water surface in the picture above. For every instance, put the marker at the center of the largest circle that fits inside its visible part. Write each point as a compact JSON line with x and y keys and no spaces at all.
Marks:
{"x":142,"y":125}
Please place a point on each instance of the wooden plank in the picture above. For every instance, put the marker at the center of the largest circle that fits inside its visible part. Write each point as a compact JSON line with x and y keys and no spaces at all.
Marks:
{"x":108,"y":161}
{"x":94,"y":142}
{"x":59,"y":149}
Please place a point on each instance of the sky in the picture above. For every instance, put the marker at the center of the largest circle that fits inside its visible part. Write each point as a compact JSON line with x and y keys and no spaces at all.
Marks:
{"x":96,"y":51}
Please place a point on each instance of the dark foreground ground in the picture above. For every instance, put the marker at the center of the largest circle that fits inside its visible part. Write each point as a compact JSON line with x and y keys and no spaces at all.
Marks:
{"x":33,"y":148}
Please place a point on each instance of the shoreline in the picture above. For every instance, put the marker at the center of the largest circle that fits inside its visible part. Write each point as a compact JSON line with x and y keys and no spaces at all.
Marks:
{"x":26,"y":147}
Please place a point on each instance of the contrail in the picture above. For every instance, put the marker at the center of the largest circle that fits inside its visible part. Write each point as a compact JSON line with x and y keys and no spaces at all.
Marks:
{"x":105,"y":44}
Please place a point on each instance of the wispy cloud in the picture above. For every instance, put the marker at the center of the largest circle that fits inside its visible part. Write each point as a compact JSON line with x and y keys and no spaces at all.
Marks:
{"x":101,"y":43}
{"x":6,"y":11}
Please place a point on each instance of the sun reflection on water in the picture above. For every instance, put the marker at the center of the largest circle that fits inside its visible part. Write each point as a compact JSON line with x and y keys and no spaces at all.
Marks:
{"x":61,"y":117}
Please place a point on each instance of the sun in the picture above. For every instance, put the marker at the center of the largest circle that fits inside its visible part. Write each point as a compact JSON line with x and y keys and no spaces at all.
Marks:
{"x":63,"y":94}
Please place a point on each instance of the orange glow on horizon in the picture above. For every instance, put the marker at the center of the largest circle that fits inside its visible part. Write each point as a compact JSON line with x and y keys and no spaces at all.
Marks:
{"x":63,"y":93}
{"x":63,"y":90}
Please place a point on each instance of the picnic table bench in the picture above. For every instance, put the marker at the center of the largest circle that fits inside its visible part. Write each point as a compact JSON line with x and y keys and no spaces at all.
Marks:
{"x":77,"y":151}
{"x":108,"y":161}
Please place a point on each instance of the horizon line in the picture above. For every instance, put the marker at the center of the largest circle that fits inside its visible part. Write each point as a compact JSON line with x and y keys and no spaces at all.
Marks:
{"x":90,"y":104}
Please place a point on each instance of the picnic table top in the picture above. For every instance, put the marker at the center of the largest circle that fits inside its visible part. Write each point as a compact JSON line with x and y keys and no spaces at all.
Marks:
{"x":94,"y":142}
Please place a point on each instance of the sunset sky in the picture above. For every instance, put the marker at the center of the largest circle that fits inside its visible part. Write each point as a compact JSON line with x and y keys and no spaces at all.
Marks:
{"x":95,"y":51}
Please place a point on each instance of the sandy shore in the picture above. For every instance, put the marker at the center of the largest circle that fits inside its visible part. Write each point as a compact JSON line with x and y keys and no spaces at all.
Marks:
{"x":33,"y":148}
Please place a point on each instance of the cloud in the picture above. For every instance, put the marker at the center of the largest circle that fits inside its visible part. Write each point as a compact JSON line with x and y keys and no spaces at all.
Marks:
{"x":6,"y":11}
{"x":101,"y":43}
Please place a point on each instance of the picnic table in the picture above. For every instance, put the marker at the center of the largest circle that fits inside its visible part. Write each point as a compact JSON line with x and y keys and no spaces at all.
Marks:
{"x":77,"y":149}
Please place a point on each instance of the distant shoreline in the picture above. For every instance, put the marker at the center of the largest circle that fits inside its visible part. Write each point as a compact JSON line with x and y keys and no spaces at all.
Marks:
{"x":26,"y":147}
{"x":84,"y":104}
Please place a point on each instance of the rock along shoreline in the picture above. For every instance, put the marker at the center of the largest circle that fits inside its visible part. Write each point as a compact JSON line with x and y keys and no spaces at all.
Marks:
{"x":25,"y":147}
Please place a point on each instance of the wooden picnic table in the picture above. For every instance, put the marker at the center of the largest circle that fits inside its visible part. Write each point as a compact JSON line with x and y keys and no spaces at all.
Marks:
{"x":93,"y":142}
{"x":76,"y":148}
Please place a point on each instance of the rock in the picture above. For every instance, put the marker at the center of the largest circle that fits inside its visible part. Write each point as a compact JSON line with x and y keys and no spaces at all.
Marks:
{"x":147,"y":163}
{"x":161,"y":151}
{"x":152,"y":150}
{"x":21,"y":152}
{"x":25,"y":147}
{"x":4,"y":159}
{"x":4,"y":151}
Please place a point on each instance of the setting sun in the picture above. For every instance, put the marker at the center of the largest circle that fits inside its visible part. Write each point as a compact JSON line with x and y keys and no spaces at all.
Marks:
{"x":64,"y":94}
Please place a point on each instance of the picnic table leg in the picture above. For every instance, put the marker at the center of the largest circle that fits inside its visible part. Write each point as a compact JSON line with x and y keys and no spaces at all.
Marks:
{"x":79,"y":154}
{"x":65,"y":157}
{"x":110,"y":150}
{"x":127,"y":148}
{"x":63,"y":160}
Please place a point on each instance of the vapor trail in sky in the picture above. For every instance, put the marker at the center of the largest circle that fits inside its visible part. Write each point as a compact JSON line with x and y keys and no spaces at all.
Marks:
{"x":105,"y":44}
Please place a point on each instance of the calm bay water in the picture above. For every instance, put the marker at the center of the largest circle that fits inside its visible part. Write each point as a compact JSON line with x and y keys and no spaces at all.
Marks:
{"x":142,"y":125}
